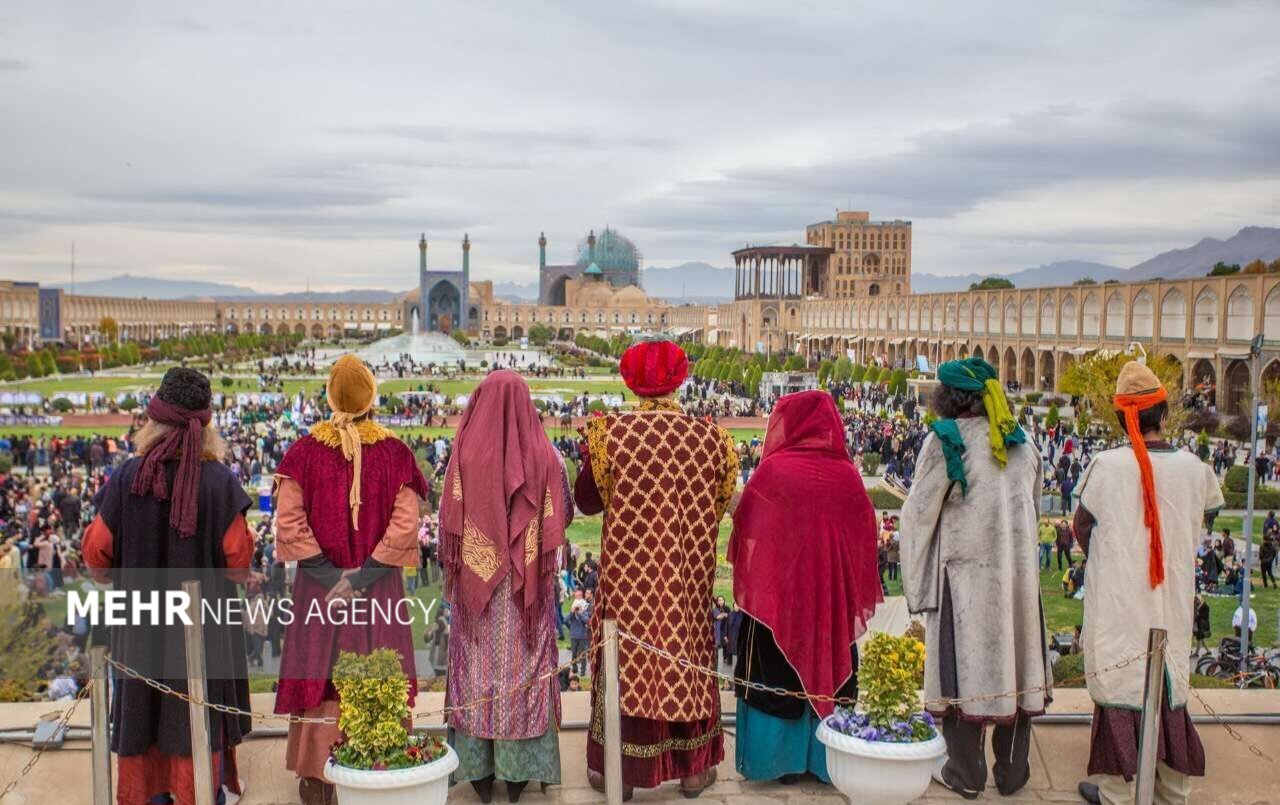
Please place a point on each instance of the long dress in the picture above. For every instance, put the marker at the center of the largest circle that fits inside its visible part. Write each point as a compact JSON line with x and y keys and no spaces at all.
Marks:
{"x":777,"y":735}
{"x":663,"y":480}
{"x":513,"y":738}
{"x":804,"y":561}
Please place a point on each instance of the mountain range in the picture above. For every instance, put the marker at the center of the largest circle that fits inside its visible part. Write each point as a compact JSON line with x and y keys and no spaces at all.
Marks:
{"x":702,"y":283}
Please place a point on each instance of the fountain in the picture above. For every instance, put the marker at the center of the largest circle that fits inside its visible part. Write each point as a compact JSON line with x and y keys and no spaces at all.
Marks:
{"x":424,"y":348}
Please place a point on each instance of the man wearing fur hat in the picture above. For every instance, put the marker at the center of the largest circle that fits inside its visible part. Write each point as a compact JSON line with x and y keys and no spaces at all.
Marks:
{"x":663,"y":480}
{"x":1141,"y":511}
{"x":348,"y":510}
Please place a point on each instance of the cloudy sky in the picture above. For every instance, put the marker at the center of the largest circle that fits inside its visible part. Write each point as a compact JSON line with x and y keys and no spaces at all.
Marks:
{"x":269,"y":144}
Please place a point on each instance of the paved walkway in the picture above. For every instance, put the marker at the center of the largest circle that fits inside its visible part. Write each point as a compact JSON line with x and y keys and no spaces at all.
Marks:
{"x":1059,"y":756}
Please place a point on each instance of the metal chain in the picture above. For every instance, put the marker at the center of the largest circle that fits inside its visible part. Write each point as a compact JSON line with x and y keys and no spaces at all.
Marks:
{"x":1185,"y":680}
{"x":62,"y":724}
{"x":292,"y":719}
{"x":848,"y":701}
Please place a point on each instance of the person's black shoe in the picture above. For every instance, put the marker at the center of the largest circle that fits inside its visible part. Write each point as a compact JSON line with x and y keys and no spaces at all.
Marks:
{"x":790,"y":779}
{"x":484,"y":789}
{"x":514,"y":790}
{"x":1089,"y":792}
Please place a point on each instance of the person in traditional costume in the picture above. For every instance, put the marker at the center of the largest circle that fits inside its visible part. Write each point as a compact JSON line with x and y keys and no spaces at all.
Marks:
{"x":349,"y":495}
{"x":1142,"y":510}
{"x":503,"y":517}
{"x":803,"y":552}
{"x":969,"y":565}
{"x":173,"y":512}
{"x":664,"y":480}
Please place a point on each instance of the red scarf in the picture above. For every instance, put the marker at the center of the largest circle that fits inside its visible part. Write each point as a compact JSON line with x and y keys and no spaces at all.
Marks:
{"x":804,"y":544}
{"x":184,"y":442}
{"x":503,"y":504}
{"x":1129,"y":406}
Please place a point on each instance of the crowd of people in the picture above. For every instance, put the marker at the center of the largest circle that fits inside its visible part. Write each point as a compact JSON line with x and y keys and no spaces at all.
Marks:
{"x":355,"y":516}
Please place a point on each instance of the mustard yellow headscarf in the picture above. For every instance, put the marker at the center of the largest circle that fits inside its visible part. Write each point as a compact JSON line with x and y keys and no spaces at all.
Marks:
{"x":352,"y":390}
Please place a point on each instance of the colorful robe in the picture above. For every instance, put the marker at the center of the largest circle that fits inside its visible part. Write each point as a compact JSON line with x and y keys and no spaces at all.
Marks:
{"x":664,"y":480}
{"x":319,"y":521}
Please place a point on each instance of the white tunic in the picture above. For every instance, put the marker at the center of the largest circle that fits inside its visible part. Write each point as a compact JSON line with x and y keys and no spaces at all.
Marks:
{"x":1119,"y":604}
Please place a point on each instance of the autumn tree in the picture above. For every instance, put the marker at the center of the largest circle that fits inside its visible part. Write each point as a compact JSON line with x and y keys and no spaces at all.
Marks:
{"x":1254,"y":267}
{"x":109,"y":328}
{"x":1093,"y":380}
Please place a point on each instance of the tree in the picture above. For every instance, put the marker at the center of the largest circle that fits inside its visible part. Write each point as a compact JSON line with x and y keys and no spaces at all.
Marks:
{"x":843,"y":370}
{"x":858,"y":374}
{"x":1085,"y":281}
{"x":898,"y":381}
{"x":795,"y":363}
{"x":1221,"y":269}
{"x":824,"y":371}
{"x":540,"y":334}
{"x":1093,"y":379}
{"x":992,"y":284}
{"x":1274,"y":268}
{"x":109,"y":328}
{"x":1256,"y":266}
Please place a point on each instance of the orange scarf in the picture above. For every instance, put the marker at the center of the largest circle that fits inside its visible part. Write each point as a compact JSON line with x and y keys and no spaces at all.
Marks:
{"x":1130,"y":405}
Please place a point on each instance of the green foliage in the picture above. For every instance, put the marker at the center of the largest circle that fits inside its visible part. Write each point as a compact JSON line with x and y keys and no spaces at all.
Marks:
{"x":6,"y":462}
{"x":1235,"y":488}
{"x":1033,"y":397}
{"x":824,"y":371}
{"x":1052,"y":418}
{"x":1085,"y":281}
{"x":26,"y":650}
{"x":227,"y":381}
{"x":62,"y":405}
{"x":597,"y":406}
{"x":460,"y":337}
{"x":890,"y":675}
{"x":883,"y":499}
{"x":1221,"y":269}
{"x":898,"y":381}
{"x":843,"y":371}
{"x":885,"y":375}
{"x":373,"y":707}
{"x":992,"y":284}
{"x":858,"y":373}
{"x":773,"y":365}
{"x":540,"y":335}
{"x":795,"y":363}
{"x":129,"y":403}
{"x":870,"y":463}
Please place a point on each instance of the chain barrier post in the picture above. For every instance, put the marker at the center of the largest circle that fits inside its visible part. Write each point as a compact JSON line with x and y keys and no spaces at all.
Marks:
{"x":1152,"y":699}
{"x":201,"y":756}
{"x":612,"y":716}
{"x":99,"y":717}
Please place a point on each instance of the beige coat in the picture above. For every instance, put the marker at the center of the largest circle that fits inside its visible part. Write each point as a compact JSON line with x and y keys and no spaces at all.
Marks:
{"x":984,"y":546}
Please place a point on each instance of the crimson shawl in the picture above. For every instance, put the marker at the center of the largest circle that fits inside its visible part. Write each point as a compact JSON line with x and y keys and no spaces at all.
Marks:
{"x":182,"y":442}
{"x":503,"y":507}
{"x":804,"y":544}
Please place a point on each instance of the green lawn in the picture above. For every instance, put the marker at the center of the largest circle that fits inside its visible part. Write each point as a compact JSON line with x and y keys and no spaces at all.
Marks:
{"x":1061,"y":614}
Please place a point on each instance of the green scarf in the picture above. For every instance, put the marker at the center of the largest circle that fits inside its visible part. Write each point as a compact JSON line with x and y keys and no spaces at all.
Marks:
{"x":975,"y":374}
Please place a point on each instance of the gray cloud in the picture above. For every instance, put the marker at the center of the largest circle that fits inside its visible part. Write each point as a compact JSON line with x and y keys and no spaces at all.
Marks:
{"x":523,"y":139}
{"x":13,"y":65}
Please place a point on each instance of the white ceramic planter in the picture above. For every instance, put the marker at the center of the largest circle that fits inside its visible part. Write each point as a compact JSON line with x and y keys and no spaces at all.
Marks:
{"x":427,"y":784}
{"x":873,"y":773}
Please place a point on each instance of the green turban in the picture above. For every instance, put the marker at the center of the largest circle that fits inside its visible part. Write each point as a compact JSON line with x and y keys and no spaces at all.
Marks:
{"x":975,"y":374}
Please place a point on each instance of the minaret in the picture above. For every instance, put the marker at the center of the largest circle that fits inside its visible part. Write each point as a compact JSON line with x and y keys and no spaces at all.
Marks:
{"x":542,"y":250}
{"x":423,"y":318}
{"x":591,"y":247}
{"x":466,"y":282}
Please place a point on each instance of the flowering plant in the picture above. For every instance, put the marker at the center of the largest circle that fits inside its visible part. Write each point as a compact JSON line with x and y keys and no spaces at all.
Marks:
{"x":373,"y":708}
{"x":890,"y":673}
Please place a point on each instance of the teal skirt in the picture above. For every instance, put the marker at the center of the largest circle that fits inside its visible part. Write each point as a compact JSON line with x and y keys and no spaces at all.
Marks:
{"x":513,"y":761}
{"x":769,"y":747}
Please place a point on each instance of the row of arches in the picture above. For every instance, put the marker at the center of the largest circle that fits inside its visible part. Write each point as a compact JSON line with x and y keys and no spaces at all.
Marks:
{"x":1177,"y":320}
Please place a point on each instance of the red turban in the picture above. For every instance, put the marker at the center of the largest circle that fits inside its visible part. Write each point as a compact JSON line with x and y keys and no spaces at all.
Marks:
{"x":654,"y":368}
